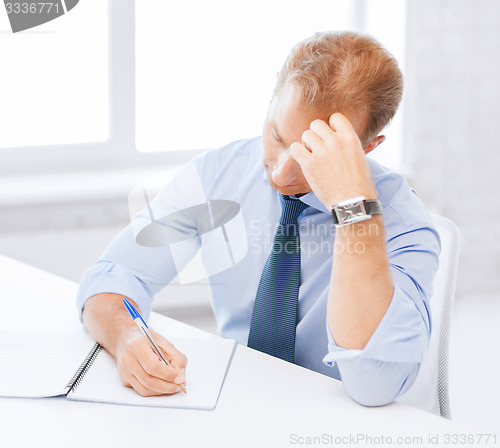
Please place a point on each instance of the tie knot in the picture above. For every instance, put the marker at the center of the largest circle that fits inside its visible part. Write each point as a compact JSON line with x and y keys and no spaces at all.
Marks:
{"x":291,"y":209}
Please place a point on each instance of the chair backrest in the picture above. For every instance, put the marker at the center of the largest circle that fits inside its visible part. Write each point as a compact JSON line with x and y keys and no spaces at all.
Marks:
{"x":430,"y":390}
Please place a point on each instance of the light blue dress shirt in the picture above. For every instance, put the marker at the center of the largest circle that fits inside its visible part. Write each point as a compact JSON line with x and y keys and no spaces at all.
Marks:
{"x":235,"y":233}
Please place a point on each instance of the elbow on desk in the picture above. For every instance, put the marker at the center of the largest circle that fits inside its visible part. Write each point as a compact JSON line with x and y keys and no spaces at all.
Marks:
{"x":377,"y":386}
{"x":372,"y":398}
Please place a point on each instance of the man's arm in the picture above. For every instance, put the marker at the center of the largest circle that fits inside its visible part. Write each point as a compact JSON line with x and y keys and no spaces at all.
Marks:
{"x":377,"y":313}
{"x":361,"y":286}
{"x":137,"y":268}
{"x":110,"y":324}
{"x":388,"y":364}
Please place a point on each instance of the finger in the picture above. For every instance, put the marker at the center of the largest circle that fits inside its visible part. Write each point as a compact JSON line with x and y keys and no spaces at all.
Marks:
{"x":340,"y":123}
{"x":149,"y":360}
{"x":321,"y":129}
{"x":155,"y":367}
{"x":156,"y":385}
{"x":141,"y":389}
{"x":172,"y":355}
{"x":300,"y":153}
{"x":130,"y":368}
{"x":311,"y":140}
{"x":135,"y":384}
{"x":176,"y":359}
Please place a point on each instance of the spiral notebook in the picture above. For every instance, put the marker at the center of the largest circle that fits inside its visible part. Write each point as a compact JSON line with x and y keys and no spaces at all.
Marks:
{"x":42,"y":365}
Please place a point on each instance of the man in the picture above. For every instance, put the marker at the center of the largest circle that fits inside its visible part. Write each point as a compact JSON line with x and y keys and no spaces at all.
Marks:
{"x":360,"y":310}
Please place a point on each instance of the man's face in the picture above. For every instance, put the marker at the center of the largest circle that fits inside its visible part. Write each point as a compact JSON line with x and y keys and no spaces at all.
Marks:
{"x":285,"y":123}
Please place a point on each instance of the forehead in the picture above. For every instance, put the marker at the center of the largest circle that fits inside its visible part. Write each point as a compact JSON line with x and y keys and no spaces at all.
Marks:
{"x":287,"y":115}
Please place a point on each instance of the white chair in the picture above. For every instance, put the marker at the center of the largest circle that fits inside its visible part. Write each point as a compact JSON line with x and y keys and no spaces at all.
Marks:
{"x":430,"y":390}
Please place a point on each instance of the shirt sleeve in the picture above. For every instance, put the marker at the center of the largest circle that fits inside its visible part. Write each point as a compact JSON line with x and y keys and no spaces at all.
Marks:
{"x":154,"y":248}
{"x":128,"y":269}
{"x":388,"y":364}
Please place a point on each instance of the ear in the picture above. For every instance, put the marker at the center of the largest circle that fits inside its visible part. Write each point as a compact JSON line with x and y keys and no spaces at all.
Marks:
{"x":374,"y":143}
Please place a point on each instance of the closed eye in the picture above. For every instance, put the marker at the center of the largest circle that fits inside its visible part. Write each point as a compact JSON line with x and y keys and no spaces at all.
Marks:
{"x":276,"y":136}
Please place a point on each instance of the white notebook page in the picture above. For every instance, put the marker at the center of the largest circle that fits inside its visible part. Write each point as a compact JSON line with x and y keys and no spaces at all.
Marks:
{"x":208,"y":360}
{"x":40,"y":364}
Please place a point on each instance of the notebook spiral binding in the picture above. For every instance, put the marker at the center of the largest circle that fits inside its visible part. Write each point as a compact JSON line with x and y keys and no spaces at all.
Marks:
{"x":83,"y":369}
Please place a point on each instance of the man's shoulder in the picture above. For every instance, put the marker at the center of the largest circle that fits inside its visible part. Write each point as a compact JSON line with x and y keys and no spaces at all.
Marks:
{"x":401,"y":203}
{"x":222,"y":169}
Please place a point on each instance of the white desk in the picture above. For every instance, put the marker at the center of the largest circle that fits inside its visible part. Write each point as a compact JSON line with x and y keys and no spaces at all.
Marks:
{"x":264,"y":401}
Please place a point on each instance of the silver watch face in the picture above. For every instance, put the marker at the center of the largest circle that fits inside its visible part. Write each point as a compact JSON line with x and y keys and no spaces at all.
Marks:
{"x":349,"y":213}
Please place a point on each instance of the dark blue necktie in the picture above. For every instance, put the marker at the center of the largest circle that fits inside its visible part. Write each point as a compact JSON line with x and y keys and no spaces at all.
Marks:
{"x":274,"y":318}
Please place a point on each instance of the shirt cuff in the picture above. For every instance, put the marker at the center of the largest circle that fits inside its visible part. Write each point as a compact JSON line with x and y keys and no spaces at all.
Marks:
{"x":109,"y":277}
{"x":401,"y":336}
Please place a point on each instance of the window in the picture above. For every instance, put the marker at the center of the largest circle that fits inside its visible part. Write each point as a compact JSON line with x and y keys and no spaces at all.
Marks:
{"x":54,"y":79}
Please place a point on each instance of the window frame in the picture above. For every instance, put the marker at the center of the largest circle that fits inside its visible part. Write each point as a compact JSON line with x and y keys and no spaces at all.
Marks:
{"x":119,"y":151}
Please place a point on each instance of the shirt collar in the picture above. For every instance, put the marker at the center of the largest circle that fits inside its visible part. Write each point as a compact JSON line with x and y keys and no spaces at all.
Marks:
{"x":312,"y":201}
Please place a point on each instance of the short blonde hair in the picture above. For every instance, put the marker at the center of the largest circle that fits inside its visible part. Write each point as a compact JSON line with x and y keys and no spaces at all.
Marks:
{"x":345,"y":72}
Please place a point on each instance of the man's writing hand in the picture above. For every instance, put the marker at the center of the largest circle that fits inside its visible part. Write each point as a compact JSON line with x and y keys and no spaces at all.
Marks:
{"x":141,"y":369}
{"x":333,"y":161}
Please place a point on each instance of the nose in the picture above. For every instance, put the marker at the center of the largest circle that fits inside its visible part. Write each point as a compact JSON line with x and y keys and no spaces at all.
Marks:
{"x":286,"y":170}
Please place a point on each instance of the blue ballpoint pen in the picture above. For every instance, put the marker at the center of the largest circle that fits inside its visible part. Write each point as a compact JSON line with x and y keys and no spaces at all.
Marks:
{"x":144,"y":327}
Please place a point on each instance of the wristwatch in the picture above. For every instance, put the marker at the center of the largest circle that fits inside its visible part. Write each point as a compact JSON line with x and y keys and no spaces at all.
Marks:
{"x":355,"y":210}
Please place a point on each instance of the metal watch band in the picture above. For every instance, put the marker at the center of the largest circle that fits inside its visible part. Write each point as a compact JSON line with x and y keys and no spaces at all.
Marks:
{"x":371,"y":207}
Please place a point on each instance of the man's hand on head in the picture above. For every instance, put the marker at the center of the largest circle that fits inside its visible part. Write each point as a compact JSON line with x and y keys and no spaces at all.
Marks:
{"x":333,"y":161}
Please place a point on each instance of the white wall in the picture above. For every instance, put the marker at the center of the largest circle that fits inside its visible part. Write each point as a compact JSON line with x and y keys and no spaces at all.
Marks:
{"x":451,"y":134}
{"x":452,"y":120}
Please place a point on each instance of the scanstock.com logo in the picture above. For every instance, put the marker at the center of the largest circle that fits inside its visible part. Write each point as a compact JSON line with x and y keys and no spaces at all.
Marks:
{"x":26,"y":15}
